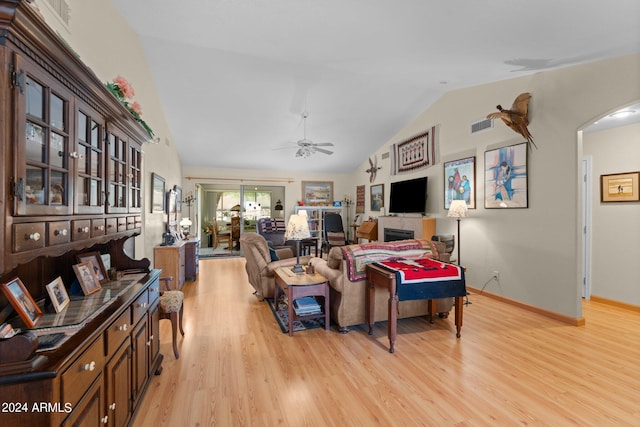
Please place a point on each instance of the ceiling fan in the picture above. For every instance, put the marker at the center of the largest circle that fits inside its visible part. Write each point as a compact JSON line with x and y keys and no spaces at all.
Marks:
{"x":306,"y":147}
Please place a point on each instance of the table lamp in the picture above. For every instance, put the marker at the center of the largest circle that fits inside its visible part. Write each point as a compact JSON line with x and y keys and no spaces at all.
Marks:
{"x":458,"y":209}
{"x":297,"y":229}
{"x":185,"y":224}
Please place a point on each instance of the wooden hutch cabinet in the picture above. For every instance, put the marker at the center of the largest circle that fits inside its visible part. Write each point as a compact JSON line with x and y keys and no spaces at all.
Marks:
{"x":71,"y":181}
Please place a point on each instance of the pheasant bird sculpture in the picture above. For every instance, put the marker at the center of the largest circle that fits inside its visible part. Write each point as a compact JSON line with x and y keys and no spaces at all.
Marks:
{"x":373,"y":168}
{"x":516,"y":118}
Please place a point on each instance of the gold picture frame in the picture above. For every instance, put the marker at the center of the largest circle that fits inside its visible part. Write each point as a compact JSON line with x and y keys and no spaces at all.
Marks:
{"x":317,"y":193}
{"x":22,"y":302}
{"x":620,"y":187}
{"x":98,"y":266}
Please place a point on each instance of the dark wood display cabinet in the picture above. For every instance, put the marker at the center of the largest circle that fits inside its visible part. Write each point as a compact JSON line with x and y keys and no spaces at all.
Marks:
{"x":71,"y":181}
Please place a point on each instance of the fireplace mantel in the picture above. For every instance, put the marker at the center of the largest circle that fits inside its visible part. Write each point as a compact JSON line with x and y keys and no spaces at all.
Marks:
{"x":423,"y":228}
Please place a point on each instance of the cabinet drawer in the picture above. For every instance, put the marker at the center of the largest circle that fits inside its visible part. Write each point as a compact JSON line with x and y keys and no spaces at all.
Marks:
{"x":131,"y":222}
{"x":154,"y":292}
{"x":137,"y":221}
{"x":140,"y":307}
{"x":118,"y":332}
{"x":97,"y":227}
{"x":58,"y":232}
{"x":28,"y":236}
{"x":76,"y":379}
{"x":80,"y":230}
{"x":112,"y":225}
{"x":122,"y":223}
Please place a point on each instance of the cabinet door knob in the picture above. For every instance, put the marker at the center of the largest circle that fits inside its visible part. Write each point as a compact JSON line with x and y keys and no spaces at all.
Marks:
{"x":105,"y":419}
{"x":142,"y":305}
{"x":33,"y":236}
{"x":62,"y":232}
{"x":89,"y":366}
{"x":74,"y":155}
{"x":100,"y":227}
{"x":112,"y":406}
{"x":123,"y":327}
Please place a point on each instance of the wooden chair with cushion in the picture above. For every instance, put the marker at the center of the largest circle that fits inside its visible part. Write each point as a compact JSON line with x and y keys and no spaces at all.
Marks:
{"x":171,"y":307}
{"x":221,"y":236}
{"x":332,"y":232}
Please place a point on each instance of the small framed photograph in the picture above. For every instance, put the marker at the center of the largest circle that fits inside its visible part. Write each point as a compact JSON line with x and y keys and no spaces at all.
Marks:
{"x":178,"y":191}
{"x":89,"y":282}
{"x":22,"y":302}
{"x":96,"y":262}
{"x":619,"y":187}
{"x":377,"y":197}
{"x":58,"y":294}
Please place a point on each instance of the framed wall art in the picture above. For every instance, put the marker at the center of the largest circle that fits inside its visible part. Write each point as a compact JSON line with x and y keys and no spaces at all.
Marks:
{"x":157,"y":193}
{"x":619,"y":187}
{"x":505,"y":177}
{"x":22,"y":302}
{"x":460,"y":182}
{"x":377,"y":197}
{"x":58,"y":294}
{"x":96,"y":262}
{"x":87,"y":278}
{"x":360,"y":199}
{"x":317,"y":193}
{"x":178,"y":191}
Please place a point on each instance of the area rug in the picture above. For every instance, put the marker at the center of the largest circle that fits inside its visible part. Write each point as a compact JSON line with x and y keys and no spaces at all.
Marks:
{"x":282,"y":316}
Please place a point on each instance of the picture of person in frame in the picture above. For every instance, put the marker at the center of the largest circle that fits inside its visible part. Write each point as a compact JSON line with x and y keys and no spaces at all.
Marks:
{"x":86,"y":276}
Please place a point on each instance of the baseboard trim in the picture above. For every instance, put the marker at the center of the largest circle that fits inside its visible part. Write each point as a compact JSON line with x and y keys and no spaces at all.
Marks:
{"x":574,"y":321}
{"x":615,"y":303}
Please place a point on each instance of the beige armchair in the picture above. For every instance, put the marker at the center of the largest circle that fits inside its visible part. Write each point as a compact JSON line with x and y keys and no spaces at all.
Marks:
{"x":260,"y":267}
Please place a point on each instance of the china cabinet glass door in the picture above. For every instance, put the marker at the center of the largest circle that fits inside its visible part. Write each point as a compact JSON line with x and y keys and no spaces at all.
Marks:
{"x":90,"y":196}
{"x":42,"y":182}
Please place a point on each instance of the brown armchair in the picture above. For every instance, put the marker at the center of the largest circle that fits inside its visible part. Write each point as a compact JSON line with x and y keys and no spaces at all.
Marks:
{"x":260,"y":265}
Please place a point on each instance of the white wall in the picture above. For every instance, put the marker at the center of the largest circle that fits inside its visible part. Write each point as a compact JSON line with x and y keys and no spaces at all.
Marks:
{"x":615,"y":227}
{"x":536,"y":250}
{"x":105,"y":43}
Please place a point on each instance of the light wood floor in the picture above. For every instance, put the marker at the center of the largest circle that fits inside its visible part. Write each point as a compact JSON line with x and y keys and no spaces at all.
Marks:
{"x":510,"y":367}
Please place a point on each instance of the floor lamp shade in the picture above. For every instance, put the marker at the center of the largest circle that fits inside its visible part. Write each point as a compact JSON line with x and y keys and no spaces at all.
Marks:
{"x":297,"y":229}
{"x":458,"y":209}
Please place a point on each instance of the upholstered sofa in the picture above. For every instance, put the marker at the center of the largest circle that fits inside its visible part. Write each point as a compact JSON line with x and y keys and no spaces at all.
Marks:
{"x":345,"y":267}
{"x":261,"y":261}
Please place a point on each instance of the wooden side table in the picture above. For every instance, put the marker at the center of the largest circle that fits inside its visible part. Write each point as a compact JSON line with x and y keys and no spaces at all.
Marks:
{"x":296,"y":286}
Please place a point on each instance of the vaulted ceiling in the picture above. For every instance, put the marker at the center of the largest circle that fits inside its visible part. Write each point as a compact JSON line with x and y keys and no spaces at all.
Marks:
{"x":234,"y":76}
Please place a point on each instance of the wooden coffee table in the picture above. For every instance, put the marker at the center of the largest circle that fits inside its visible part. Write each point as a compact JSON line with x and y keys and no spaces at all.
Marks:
{"x":296,"y":286}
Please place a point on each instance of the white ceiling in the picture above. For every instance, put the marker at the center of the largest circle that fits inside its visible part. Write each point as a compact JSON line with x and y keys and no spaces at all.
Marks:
{"x":234,"y":76}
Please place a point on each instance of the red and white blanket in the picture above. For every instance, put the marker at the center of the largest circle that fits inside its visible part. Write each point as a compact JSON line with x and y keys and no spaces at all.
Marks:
{"x":420,"y":270}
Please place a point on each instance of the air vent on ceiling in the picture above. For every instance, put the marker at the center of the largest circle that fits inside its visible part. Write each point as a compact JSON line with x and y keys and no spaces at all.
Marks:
{"x":385,"y":155}
{"x":62,"y":9}
{"x":481,"y":125}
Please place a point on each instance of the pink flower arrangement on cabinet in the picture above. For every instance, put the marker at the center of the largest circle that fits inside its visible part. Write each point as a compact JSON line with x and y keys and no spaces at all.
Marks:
{"x":122,"y":89}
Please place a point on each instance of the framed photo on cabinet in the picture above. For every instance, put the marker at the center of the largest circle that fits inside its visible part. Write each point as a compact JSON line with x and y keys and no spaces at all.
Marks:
{"x":87,"y":278}
{"x":58,"y":294}
{"x":22,"y":302}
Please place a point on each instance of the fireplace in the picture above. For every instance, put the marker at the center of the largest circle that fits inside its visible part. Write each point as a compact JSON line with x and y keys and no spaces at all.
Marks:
{"x":391,"y":234}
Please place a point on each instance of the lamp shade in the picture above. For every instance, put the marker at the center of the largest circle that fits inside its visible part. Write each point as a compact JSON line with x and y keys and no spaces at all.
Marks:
{"x":297,"y":228}
{"x":458,"y":209}
{"x":235,"y":208}
{"x":185,"y":222}
{"x":279,"y":206}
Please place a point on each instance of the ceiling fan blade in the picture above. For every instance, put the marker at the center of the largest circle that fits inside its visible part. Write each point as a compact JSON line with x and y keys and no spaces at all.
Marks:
{"x":324,"y":144}
{"x":322,"y":150}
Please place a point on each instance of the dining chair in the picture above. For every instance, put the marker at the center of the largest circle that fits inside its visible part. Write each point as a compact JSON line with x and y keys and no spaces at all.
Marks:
{"x":221,"y":236}
{"x":171,"y":307}
{"x":235,"y":232}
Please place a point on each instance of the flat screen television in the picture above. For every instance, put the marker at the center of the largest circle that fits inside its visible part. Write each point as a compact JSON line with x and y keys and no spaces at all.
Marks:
{"x":408,"y":196}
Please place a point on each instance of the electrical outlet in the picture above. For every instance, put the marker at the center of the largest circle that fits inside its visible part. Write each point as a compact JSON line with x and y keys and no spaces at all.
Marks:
{"x":496,"y":274}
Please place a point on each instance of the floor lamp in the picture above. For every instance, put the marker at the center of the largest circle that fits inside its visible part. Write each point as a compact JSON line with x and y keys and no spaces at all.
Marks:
{"x":297,"y":229}
{"x":457,"y":210}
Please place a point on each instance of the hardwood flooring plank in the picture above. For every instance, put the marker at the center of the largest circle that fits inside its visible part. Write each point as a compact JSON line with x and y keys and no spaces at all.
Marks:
{"x":510,"y":367}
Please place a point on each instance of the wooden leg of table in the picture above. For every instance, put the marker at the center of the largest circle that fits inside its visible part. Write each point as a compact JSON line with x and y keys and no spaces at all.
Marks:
{"x":459,"y":306}
{"x":431,"y":304}
{"x":327,"y":319}
{"x":393,"y":321}
{"x":290,"y":310}
{"x":371,"y":303}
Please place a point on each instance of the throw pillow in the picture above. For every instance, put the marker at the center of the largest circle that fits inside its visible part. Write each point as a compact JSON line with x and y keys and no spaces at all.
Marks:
{"x":274,"y":254}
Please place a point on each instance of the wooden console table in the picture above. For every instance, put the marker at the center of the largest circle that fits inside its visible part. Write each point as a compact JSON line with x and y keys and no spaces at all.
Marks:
{"x":378,"y":276}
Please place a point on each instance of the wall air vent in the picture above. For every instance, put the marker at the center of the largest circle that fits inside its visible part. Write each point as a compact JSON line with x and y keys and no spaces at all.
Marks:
{"x":385,"y":155}
{"x":62,"y":9}
{"x":481,"y":125}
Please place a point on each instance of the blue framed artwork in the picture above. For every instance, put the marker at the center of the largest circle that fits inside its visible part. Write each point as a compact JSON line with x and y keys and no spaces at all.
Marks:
{"x":505,"y":177}
{"x":460,"y":182}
